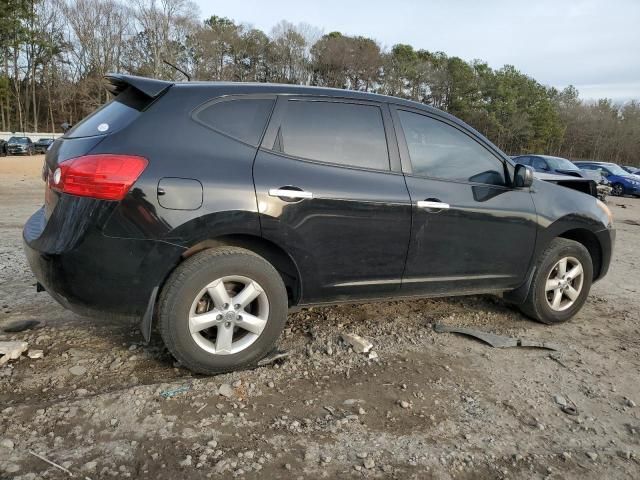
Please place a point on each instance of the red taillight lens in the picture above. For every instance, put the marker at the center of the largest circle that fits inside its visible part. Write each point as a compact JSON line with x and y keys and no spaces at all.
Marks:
{"x":105,"y":176}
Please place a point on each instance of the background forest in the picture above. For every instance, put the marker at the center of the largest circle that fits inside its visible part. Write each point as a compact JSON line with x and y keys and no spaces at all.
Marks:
{"x":54,"y":53}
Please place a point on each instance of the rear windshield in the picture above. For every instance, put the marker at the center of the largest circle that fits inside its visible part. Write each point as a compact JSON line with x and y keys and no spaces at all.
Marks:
{"x":18,"y":140}
{"x":112,"y":116}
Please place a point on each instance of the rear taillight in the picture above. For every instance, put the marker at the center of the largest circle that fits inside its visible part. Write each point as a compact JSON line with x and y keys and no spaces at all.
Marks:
{"x":104,"y":176}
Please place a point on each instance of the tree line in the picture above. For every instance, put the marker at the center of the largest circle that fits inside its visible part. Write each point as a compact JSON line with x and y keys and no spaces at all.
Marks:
{"x":54,"y":53}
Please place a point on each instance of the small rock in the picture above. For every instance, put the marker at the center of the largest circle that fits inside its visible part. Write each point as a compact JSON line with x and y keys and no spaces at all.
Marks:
{"x":78,"y":370}
{"x":271,"y":384}
{"x":566,"y":456}
{"x":7,"y":443}
{"x":630,"y":403}
{"x":35,"y":353}
{"x":226,"y":390}
{"x":359,"y":344}
{"x":90,"y":466}
{"x":212,"y":443}
{"x":325,"y":459}
{"x":592,"y":455}
{"x":560,"y":400}
{"x":11,"y":351}
{"x":362,"y":455}
{"x":404,"y":403}
{"x":369,"y":463}
{"x":186,"y":462}
{"x":373,"y":355}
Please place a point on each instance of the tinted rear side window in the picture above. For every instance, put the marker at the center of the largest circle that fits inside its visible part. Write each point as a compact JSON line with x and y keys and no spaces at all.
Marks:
{"x":243,"y":119}
{"x":112,"y":116}
{"x":342,"y":133}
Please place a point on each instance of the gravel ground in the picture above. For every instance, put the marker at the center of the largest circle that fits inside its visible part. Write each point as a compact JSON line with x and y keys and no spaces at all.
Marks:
{"x":102,"y":404}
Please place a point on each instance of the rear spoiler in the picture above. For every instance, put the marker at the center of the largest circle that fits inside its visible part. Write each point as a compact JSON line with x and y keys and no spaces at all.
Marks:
{"x":117,"y":83}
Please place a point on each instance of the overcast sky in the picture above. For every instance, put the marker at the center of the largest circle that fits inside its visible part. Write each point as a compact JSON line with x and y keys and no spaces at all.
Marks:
{"x":592,"y":44}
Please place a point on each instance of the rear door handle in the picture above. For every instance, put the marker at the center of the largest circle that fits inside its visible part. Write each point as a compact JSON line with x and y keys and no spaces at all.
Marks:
{"x":287,"y":193}
{"x":435,"y":205}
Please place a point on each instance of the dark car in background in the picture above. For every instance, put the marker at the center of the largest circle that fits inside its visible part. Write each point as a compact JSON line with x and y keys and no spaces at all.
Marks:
{"x":20,"y":146}
{"x":42,"y":145}
{"x":632,"y":170}
{"x":216,"y":207}
{"x":549,"y":164}
{"x":622,"y":182}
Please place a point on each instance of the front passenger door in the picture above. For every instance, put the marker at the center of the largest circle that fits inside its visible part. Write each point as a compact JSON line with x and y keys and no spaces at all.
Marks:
{"x":471,"y":231}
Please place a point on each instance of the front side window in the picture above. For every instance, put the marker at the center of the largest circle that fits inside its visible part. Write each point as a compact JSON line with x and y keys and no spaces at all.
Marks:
{"x":242,"y":118}
{"x":342,"y":133}
{"x":539,"y":164}
{"x":439,"y":150}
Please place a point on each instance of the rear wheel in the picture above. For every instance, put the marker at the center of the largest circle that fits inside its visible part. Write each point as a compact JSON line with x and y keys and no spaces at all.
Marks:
{"x":222,"y":309}
{"x":617,"y":189}
{"x":561,"y":283}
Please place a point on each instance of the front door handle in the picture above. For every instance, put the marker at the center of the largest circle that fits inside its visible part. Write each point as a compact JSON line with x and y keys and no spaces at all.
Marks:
{"x":432,"y":204}
{"x":289,"y":193}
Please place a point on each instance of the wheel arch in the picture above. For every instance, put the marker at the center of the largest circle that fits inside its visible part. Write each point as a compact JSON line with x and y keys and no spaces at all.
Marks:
{"x":590,"y":241}
{"x":270,"y":251}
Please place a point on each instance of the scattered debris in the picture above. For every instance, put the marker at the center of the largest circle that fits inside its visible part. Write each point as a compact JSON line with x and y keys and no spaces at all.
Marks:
{"x":60,"y":467}
{"x":35,"y":353}
{"x":496,"y":341}
{"x":172,"y":392}
{"x":359,"y":344}
{"x":21,"y":326}
{"x":273,"y":357}
{"x":11,"y":350}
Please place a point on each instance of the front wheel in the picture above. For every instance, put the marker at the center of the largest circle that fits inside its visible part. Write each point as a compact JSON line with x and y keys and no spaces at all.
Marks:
{"x":617,"y":189}
{"x":561,"y":282}
{"x":222,"y":309}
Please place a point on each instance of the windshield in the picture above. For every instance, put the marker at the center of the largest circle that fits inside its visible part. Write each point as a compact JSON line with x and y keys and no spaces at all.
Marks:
{"x":560,"y":164}
{"x":18,"y":140}
{"x":616,"y":170}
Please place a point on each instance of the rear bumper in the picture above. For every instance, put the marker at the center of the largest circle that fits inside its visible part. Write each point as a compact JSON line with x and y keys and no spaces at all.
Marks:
{"x":93,"y":274}
{"x":607,"y":239}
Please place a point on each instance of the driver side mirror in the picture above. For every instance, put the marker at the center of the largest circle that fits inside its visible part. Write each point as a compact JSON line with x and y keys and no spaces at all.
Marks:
{"x":523,"y":176}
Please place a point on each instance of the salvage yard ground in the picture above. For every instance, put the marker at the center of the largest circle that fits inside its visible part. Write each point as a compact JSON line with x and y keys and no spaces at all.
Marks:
{"x":102,"y":404}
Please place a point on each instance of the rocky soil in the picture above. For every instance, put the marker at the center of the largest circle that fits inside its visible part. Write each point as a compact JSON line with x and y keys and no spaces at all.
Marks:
{"x":102,"y":404}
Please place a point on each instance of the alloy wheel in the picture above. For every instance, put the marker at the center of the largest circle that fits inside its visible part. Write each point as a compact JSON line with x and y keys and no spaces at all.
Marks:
{"x":618,"y":190}
{"x":228,"y":315}
{"x":564,"y":283}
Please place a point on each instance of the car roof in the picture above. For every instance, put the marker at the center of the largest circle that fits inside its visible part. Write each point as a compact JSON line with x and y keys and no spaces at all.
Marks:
{"x":154,"y":87}
{"x":546,"y":157}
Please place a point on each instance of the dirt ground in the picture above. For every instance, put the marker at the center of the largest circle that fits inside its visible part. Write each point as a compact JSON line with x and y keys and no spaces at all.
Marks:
{"x":103,"y":404}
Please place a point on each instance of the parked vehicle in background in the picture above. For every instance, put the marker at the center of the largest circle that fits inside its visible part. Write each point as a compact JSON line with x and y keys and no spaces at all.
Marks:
{"x":20,"y":146}
{"x":630,"y":169}
{"x":3,"y":148}
{"x":42,"y":145}
{"x":603,"y":185}
{"x":216,"y":207}
{"x":622,"y":182}
{"x":549,"y":164}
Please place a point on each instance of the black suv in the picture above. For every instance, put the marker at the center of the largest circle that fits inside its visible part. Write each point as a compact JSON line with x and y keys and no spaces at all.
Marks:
{"x":216,"y":207}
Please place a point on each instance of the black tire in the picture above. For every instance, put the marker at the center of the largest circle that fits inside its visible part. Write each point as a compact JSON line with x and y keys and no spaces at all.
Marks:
{"x":617,"y":190}
{"x":536,"y":305}
{"x":182,"y":288}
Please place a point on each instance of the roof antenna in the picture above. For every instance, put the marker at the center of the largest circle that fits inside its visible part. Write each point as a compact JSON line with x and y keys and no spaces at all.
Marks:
{"x":178,"y":69}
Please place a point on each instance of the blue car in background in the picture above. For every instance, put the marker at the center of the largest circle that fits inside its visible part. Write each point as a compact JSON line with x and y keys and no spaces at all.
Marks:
{"x":549,"y":164}
{"x":622,"y":182}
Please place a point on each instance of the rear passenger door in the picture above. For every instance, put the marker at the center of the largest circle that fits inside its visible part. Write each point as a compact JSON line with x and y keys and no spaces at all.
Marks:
{"x":330,"y":192}
{"x":471,"y":230}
